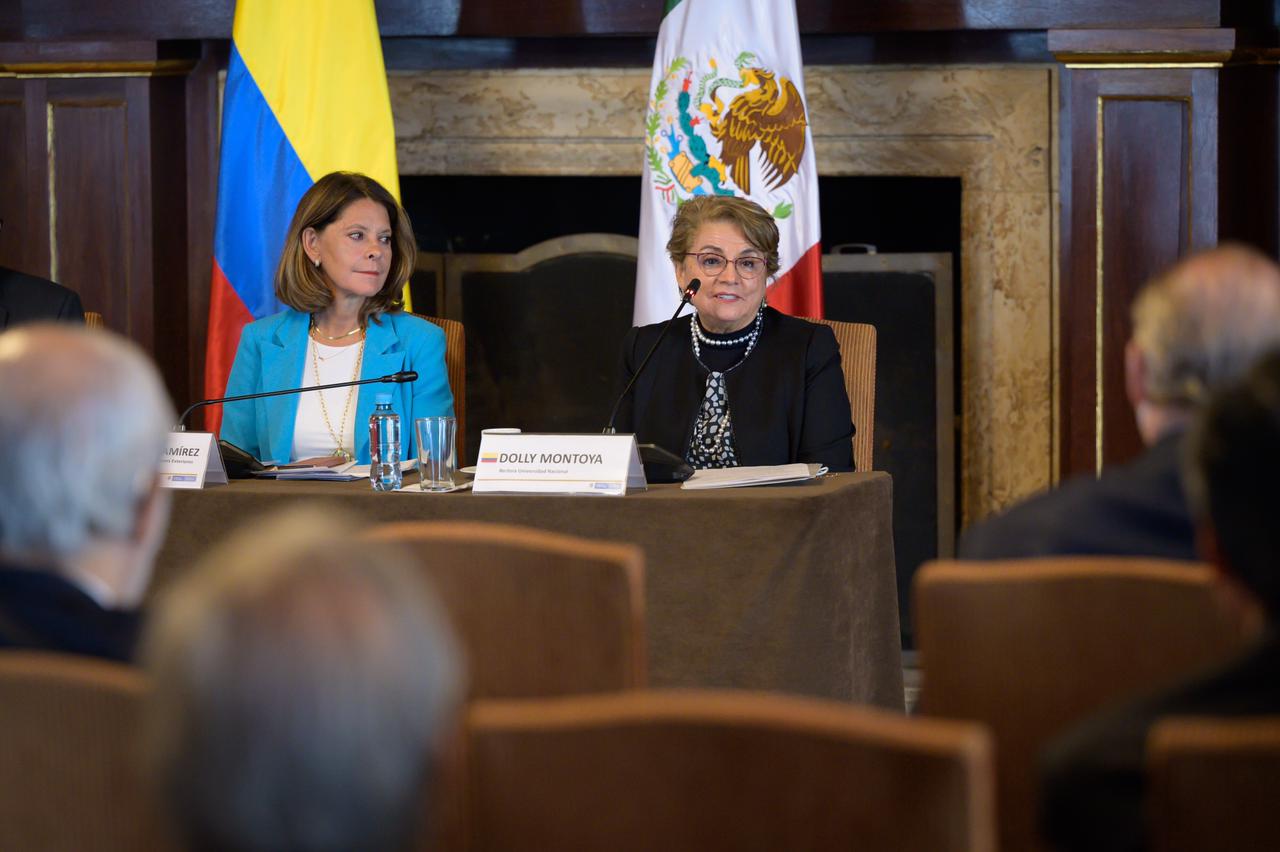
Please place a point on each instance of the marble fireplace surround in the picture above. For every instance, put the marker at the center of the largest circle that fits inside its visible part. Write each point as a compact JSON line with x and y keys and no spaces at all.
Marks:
{"x":992,"y":126}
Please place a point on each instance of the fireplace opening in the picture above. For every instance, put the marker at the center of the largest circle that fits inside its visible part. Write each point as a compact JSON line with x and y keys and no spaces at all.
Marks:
{"x":543,"y":327}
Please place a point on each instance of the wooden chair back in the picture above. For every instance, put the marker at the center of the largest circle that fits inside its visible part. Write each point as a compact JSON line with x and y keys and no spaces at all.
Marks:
{"x":1029,"y":647}
{"x":93,"y":319}
{"x":70,"y":769}
{"x":455,"y":362}
{"x":1213,"y":784}
{"x":537,"y":613}
{"x":858,"y":360}
{"x":722,"y":771}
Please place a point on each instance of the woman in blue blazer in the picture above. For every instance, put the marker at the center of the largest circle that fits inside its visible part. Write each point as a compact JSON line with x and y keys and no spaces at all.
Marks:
{"x":347,"y":258}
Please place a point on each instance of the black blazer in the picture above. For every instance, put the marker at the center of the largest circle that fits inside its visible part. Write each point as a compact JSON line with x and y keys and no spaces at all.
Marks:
{"x":788,"y":400}
{"x":1136,"y":509}
{"x":42,"y":611}
{"x":25,"y":298}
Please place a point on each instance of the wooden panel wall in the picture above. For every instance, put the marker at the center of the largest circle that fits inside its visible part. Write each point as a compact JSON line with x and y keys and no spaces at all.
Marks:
{"x":211,"y":19}
{"x":95,"y":167}
{"x":97,"y":218}
{"x":1139,"y":189}
{"x":15,"y":250}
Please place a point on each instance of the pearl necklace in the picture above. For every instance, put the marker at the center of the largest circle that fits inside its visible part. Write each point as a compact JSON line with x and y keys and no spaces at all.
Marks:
{"x":735,"y":341}
{"x":750,"y":338}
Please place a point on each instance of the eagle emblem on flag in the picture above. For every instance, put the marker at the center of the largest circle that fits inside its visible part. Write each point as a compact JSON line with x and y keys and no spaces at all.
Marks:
{"x":772,"y":114}
{"x":706,"y":133}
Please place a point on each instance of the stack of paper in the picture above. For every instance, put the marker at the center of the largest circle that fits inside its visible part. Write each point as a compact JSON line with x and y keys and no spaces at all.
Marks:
{"x":738,"y":477}
{"x":332,"y":469}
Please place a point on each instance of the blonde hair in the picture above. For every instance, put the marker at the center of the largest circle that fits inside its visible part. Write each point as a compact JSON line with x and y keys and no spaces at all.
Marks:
{"x":1201,"y":324}
{"x":303,"y":286}
{"x":753,"y":220}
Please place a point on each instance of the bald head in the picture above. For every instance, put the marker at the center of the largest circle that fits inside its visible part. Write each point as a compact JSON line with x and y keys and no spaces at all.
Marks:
{"x":82,"y":430}
{"x":1198,"y":327}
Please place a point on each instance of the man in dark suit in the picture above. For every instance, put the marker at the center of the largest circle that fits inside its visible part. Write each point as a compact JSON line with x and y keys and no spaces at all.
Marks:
{"x":83,"y":424}
{"x":25,"y":298}
{"x":1094,"y":782}
{"x":1197,"y":327}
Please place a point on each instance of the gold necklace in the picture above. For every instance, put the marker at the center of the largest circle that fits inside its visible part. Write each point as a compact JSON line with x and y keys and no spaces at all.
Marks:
{"x":339,"y":450}
{"x":319,"y":335}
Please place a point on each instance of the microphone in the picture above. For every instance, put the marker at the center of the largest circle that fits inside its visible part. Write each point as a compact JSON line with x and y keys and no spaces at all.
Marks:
{"x":694,"y":284}
{"x":397,"y":378}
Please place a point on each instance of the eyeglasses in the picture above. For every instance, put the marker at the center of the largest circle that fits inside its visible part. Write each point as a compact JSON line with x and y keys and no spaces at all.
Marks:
{"x":713,"y":264}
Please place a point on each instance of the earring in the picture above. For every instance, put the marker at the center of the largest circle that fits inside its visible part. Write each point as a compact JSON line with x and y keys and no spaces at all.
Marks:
{"x":317,"y":263}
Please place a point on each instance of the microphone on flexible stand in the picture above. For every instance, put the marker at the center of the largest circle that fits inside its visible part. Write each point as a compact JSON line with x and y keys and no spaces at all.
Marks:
{"x":659,"y":464}
{"x":694,"y":284}
{"x":241,"y":464}
{"x":398,"y":378}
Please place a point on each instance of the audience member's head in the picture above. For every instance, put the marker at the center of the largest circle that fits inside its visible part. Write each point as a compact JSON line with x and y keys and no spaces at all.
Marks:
{"x":304,"y":684}
{"x":83,"y":425}
{"x":1196,"y":328}
{"x":1232,"y":482}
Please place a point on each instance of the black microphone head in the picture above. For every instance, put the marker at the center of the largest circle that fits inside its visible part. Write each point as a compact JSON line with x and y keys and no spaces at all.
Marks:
{"x":694,"y":285}
{"x":405,"y":376}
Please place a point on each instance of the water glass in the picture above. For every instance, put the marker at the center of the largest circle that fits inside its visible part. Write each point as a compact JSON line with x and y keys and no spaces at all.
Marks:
{"x":436,"y":452}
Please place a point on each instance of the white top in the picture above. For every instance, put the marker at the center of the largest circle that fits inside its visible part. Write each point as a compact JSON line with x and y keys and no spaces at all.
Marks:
{"x":311,"y":437}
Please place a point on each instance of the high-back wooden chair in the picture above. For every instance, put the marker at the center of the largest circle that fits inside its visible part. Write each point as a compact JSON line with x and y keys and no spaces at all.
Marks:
{"x":537,"y":613}
{"x":722,"y":771}
{"x":1213,"y":784}
{"x":70,"y":771}
{"x":455,"y":362}
{"x":1029,"y":647}
{"x":93,"y":319}
{"x":858,"y":360}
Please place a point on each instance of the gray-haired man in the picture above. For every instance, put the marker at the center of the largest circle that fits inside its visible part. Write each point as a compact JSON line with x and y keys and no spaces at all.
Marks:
{"x":1196,"y":328}
{"x":83,"y":425}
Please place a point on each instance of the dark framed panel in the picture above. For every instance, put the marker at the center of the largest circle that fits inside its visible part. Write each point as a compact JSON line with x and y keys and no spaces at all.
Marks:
{"x":96,"y":169}
{"x":909,"y":298}
{"x":1139,"y":189}
{"x":544,"y":331}
{"x":426,"y":285}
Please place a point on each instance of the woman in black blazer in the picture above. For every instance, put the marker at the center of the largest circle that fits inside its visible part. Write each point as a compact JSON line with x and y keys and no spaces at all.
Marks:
{"x":737,"y":383}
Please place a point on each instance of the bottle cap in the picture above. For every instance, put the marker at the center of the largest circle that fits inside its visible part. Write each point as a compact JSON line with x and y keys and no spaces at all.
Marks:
{"x":383,"y":399}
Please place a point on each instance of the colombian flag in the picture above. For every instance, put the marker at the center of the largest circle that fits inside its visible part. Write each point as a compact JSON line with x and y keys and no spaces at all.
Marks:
{"x":306,"y":95}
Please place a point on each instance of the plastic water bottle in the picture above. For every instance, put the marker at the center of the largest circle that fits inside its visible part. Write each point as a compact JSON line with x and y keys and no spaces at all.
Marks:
{"x":384,"y":446}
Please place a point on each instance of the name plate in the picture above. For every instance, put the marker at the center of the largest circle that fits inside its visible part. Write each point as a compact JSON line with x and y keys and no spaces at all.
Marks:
{"x":535,"y":463}
{"x":192,"y":460}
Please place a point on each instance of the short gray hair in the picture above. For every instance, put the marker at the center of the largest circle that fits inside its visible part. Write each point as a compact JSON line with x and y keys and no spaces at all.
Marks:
{"x":1203,"y":323}
{"x":83,"y":426}
{"x":303,"y":681}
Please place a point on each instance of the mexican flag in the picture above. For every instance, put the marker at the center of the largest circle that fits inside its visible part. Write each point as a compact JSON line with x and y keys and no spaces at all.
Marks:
{"x":727,"y":116}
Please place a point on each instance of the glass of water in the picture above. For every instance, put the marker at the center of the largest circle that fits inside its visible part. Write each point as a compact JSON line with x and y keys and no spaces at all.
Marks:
{"x":436,"y":453}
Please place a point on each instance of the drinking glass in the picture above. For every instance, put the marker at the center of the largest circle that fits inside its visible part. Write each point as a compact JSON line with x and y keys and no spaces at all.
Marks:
{"x":436,"y":461}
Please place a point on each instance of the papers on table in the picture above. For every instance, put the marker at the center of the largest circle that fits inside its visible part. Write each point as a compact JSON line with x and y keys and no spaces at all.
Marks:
{"x":343,"y":471}
{"x":336,"y":470}
{"x":738,"y":477}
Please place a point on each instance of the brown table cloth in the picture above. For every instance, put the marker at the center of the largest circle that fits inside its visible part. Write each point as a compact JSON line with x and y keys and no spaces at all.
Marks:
{"x":788,"y":588}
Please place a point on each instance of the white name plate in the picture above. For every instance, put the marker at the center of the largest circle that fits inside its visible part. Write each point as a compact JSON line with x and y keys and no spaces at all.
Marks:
{"x":192,"y":460}
{"x":558,"y":464}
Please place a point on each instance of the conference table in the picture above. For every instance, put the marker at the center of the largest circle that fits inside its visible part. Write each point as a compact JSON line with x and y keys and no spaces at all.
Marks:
{"x":787,"y":588}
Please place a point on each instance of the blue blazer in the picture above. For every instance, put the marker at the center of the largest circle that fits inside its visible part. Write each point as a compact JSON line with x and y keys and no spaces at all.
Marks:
{"x":272,"y":356}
